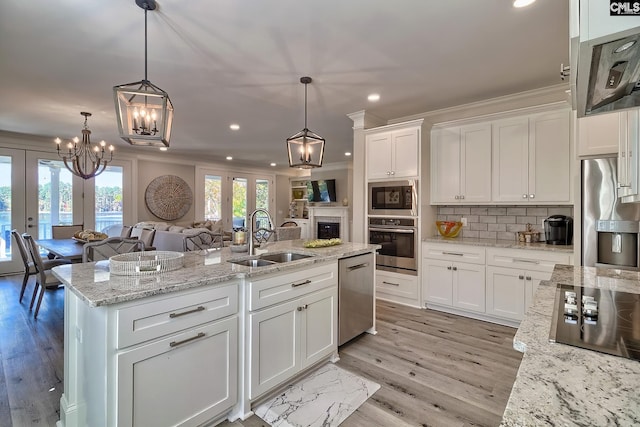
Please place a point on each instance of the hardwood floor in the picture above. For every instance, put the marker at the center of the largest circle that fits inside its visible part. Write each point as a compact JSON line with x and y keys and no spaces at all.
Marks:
{"x":434,"y":369}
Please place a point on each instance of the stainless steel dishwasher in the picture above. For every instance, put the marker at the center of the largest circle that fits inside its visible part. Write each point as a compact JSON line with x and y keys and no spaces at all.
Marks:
{"x":355,"y":296}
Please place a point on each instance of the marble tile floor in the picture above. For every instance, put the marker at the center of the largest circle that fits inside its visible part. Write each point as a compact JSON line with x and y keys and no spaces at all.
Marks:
{"x":324,"y":398}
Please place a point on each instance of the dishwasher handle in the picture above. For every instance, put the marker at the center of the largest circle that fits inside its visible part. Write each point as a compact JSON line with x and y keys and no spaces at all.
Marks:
{"x":358,"y":266}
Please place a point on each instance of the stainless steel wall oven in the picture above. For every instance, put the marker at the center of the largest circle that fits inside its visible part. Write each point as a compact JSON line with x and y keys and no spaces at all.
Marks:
{"x":399,"y":240}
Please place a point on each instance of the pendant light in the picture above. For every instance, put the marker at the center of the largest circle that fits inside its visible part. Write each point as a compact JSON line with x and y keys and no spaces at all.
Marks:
{"x":143,"y":110}
{"x":305,"y":148}
{"x":82,"y":158}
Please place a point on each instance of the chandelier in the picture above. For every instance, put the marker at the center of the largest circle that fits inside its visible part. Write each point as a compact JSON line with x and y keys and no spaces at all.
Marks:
{"x":305,"y":148}
{"x":144,"y":111}
{"x":82,"y":158}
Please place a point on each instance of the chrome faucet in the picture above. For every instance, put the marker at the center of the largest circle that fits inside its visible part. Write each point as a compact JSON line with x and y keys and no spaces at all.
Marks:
{"x":252,"y":231}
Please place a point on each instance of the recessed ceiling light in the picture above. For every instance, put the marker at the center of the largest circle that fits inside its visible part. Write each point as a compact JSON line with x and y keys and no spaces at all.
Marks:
{"x":522,"y":3}
{"x":347,"y":153}
{"x":374,"y":97}
{"x":273,"y":164}
{"x":163,"y":148}
{"x":229,"y":158}
{"x":234,"y":126}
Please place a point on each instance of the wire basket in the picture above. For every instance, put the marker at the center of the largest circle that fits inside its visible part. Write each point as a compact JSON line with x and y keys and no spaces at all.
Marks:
{"x":143,"y":263}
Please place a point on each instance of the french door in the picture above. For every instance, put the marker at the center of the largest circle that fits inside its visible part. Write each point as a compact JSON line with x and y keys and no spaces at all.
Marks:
{"x":12,"y":209}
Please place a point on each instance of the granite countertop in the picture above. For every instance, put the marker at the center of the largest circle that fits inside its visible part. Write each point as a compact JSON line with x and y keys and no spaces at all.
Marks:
{"x":93,"y":283}
{"x":493,"y":243}
{"x":558,"y":384}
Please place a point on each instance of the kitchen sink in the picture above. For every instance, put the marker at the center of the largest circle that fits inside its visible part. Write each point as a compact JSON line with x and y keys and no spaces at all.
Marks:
{"x":252,"y":262}
{"x":283,"y":257}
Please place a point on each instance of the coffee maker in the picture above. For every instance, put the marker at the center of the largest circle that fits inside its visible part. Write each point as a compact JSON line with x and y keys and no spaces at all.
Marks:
{"x":558,"y":230}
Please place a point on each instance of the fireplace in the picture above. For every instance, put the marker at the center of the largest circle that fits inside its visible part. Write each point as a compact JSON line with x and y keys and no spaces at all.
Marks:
{"x":328,"y":230}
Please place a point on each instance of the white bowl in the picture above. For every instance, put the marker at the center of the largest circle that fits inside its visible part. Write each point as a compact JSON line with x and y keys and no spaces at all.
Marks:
{"x":239,"y":248}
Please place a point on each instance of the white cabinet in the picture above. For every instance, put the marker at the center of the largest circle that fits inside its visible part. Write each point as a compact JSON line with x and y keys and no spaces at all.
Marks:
{"x":393,"y":152}
{"x":128,"y":364}
{"x":601,"y":134}
{"x":454,"y":276}
{"x":513,"y":277}
{"x":532,"y":158}
{"x":397,"y":287}
{"x":461,"y":164}
{"x":292,"y":325}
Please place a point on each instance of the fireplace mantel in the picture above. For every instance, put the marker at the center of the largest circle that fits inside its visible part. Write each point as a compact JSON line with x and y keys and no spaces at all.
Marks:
{"x":329,"y":213}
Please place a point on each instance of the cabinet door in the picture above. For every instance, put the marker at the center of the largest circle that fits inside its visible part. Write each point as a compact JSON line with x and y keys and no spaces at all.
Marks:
{"x":437,"y":281}
{"x":550,"y":157}
{"x":475,"y":163}
{"x":506,"y":292}
{"x":152,"y":376}
{"x":274,"y":347}
{"x":510,"y":151}
{"x":318,"y":326}
{"x":445,"y":165}
{"x":599,"y":134}
{"x":468,"y":287}
{"x":532,"y":280}
{"x":405,"y":153}
{"x":379,"y":155}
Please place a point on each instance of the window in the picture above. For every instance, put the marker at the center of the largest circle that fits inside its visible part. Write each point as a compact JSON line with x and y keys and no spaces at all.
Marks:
{"x":212,"y":197}
{"x":55,"y":196}
{"x":109,"y":198}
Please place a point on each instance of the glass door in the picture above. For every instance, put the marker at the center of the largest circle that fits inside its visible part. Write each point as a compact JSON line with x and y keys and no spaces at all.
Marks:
{"x":53,"y":195}
{"x":12,"y":213}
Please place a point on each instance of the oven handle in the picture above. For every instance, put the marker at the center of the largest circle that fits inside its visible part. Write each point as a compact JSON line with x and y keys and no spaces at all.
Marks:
{"x":394,"y":230}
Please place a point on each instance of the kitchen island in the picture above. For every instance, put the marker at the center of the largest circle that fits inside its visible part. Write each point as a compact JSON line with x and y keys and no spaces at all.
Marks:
{"x":199,"y":344}
{"x":558,"y":384}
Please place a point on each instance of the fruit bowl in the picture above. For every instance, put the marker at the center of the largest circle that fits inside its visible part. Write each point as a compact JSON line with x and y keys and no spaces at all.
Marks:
{"x":449,"y":228}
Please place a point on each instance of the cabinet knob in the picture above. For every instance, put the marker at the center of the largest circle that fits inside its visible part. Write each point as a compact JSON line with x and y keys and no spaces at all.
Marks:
{"x":299,"y":308}
{"x":462,"y":196}
{"x":521,"y":277}
{"x":388,"y":173}
{"x":393,"y":172}
{"x":524,"y":196}
{"x":455,"y":268}
{"x":457,"y":197}
{"x":528,"y":277}
{"x":449,"y":268}
{"x":532,"y":196}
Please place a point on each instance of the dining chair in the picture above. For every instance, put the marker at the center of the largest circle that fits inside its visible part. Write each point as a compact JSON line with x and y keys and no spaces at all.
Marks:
{"x":289,"y":224}
{"x":44,"y":277}
{"x":288,"y":233}
{"x":104,"y":249}
{"x":203,"y":240}
{"x":144,"y":234}
{"x":65,"y":231}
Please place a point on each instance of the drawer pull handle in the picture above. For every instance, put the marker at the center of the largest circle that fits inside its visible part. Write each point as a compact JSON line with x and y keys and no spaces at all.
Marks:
{"x":390,"y":283}
{"x":359,"y":266}
{"x":295,"y":285}
{"x":177,"y":343}
{"x":195,"y":310}
{"x":529,"y":261}
{"x":452,"y":253}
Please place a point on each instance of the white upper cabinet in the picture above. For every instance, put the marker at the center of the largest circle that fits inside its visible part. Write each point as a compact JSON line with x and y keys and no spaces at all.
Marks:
{"x":600,"y":134}
{"x":461,"y":164}
{"x":393,"y":152}
{"x":532,"y":158}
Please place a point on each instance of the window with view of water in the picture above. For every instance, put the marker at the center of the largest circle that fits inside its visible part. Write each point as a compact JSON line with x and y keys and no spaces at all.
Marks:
{"x":108,"y":194}
{"x":5,"y":205}
{"x":55,"y":196}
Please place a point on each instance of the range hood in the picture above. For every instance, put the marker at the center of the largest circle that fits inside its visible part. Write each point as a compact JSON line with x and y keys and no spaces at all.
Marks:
{"x":605,"y":58}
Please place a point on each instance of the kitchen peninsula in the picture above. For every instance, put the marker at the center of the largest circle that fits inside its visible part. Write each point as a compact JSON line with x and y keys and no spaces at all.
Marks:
{"x":199,"y":344}
{"x":558,"y":384}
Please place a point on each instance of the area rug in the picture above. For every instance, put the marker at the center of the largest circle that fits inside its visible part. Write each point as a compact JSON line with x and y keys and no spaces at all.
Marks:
{"x":324,"y":398}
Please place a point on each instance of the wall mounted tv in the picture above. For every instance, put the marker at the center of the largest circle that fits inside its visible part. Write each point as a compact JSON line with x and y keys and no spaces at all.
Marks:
{"x":321,"y":191}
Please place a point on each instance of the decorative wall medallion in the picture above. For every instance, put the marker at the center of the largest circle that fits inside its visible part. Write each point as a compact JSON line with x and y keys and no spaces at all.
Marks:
{"x":168,"y":197}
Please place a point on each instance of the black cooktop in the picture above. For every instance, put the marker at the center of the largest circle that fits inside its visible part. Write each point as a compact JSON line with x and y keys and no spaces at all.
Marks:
{"x":597,"y":319}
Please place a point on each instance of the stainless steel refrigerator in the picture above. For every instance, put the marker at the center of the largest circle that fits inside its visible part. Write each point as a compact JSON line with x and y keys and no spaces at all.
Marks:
{"x":609,"y":227}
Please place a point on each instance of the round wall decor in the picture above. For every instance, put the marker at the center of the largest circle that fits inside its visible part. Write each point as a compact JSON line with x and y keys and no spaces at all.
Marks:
{"x":168,"y":197}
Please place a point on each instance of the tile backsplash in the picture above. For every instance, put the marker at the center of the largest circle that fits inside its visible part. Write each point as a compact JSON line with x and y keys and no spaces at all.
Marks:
{"x":500,"y":222}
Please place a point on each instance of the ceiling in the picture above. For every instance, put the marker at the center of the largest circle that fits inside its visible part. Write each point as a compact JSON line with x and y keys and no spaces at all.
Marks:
{"x":240,"y":61}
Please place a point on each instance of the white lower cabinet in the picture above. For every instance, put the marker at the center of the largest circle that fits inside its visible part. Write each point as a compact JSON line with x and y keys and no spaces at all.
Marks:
{"x":397,"y":287}
{"x":297,"y":329}
{"x":510,"y":291}
{"x":455,"y":284}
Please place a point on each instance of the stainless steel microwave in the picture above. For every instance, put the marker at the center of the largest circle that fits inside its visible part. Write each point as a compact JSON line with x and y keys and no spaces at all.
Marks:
{"x":393,"y":198}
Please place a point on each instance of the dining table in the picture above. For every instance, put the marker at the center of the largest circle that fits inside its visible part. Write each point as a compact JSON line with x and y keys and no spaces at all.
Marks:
{"x":70,"y":249}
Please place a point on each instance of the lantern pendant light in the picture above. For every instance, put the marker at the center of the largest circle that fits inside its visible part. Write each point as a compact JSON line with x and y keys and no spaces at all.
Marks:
{"x":305,"y":148}
{"x":143,"y":110}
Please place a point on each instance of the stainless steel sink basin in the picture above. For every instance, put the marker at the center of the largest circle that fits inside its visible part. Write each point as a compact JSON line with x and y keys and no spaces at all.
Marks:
{"x":283,"y":257}
{"x":252,"y":262}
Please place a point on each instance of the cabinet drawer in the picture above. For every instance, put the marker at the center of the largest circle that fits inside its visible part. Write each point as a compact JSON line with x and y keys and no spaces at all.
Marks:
{"x":454,"y":253}
{"x":283,"y":287}
{"x":525,"y":259}
{"x":143,"y":322}
{"x":397,"y":284}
